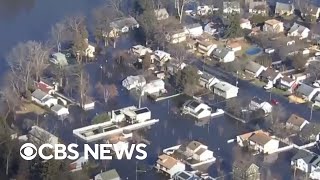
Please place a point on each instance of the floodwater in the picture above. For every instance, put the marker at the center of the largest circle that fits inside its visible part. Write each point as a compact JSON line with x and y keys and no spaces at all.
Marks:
{"x":22,"y":20}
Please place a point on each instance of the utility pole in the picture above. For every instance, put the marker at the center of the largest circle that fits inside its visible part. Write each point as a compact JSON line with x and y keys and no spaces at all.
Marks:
{"x":311,"y":111}
{"x":237,"y":78}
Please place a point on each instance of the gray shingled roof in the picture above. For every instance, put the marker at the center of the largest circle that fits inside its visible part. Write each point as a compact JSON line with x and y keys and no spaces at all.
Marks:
{"x":253,"y":66}
{"x":305,"y":89}
{"x":220,"y":52}
{"x":126,"y":21}
{"x":38,"y":94}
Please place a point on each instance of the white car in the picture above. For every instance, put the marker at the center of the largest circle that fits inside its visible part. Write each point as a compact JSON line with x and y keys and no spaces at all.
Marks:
{"x":268,"y":86}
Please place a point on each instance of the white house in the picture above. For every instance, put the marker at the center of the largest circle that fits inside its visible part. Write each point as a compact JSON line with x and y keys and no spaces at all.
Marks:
{"x":60,"y":110}
{"x":257,"y":103}
{"x":259,"y":141}
{"x":298,"y":30}
{"x":270,"y":75}
{"x":140,"y":50}
{"x":207,"y":80}
{"x":123,"y":25}
{"x":43,"y":98}
{"x":90,"y":50}
{"x":225,"y":90}
{"x":108,"y":175}
{"x":162,"y":56}
{"x":177,"y":36}
{"x":131,"y":112}
{"x":296,"y":122}
{"x":205,"y":10}
{"x":169,"y":165}
{"x":132,"y":82}
{"x":154,"y":87}
{"x":288,"y":84}
{"x":245,"y":24}
{"x":224,"y":55}
{"x":306,"y":161}
{"x":161,"y":14}
{"x":196,"y":109}
{"x":307,"y":92}
{"x":273,"y":26}
{"x":230,"y":7}
{"x":254,"y":68}
{"x":199,"y":151}
{"x":41,"y":136}
{"x":193,"y":30}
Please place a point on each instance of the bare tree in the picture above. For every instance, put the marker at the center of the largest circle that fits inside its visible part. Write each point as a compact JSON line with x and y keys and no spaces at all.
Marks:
{"x":58,"y":34}
{"x":77,"y":27}
{"x":178,"y":52}
{"x":179,"y":5}
{"x":314,"y":69}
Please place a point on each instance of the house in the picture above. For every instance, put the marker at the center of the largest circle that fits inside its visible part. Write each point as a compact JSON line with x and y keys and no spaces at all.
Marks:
{"x":271,"y":75}
{"x":49,"y":88}
{"x":78,"y":164}
{"x":305,"y":161}
{"x":207,"y":80}
{"x":123,"y":25}
{"x":40,"y":136}
{"x":193,"y":30}
{"x":60,"y":110}
{"x":108,"y":175}
{"x":245,"y":24}
{"x":199,"y":151}
{"x":307,"y":92}
{"x":174,"y":66}
{"x":223,"y":55}
{"x":284,"y":9}
{"x":162,"y":56}
{"x":296,"y":122}
{"x":140,"y":50}
{"x":205,"y":45}
{"x":230,"y":7}
{"x":298,"y":30}
{"x":59,"y":59}
{"x":299,"y":77}
{"x":257,"y":103}
{"x":210,"y":28}
{"x":132,"y":82}
{"x":254,"y":68}
{"x":176,"y":36}
{"x":288,"y":84}
{"x":196,"y":109}
{"x":154,"y":87}
{"x":315,"y":174}
{"x":311,"y":9}
{"x":205,"y":10}
{"x":317,"y":100}
{"x":130,"y":113}
{"x":185,"y":175}
{"x":225,"y":90}
{"x":258,"y":7}
{"x":161,"y":14}
{"x":273,"y":26}
{"x":90,"y":50}
{"x":169,"y":165}
{"x":88,"y":103}
{"x":245,"y":170}
{"x":259,"y":141}
{"x":234,"y":46}
{"x":43,"y":98}
{"x":310,"y":132}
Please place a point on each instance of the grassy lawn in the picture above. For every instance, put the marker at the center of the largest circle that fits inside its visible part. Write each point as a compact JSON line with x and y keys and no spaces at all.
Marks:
{"x":29,"y":107}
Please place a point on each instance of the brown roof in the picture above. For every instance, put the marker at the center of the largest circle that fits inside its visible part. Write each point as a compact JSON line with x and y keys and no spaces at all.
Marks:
{"x":167,"y":161}
{"x":260,"y":138}
{"x":287,"y":79}
{"x":296,"y":120}
{"x":194,"y":145}
{"x":272,"y":22}
{"x":270,"y":74}
{"x":244,"y":164}
{"x":246,"y":136}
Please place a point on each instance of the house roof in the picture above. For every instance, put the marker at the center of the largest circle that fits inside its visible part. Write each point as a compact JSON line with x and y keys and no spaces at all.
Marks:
{"x":244,"y":164}
{"x":270,"y":74}
{"x":124,"y":21}
{"x":44,"y":87}
{"x":206,"y":76}
{"x":38,"y":94}
{"x":194,"y":145}
{"x":109,"y":175}
{"x":167,"y":161}
{"x":299,"y":28}
{"x":287,"y":79}
{"x":253,"y":66}
{"x":246,"y":136}
{"x":220,"y":52}
{"x":260,"y":138}
{"x":296,"y":120}
{"x":272,"y":22}
{"x":184,"y":175}
{"x":305,"y":89}
{"x":224,"y":86}
{"x":57,"y":107}
{"x":301,"y":154}
{"x":310,"y":129}
{"x":191,"y":26}
{"x":284,"y":7}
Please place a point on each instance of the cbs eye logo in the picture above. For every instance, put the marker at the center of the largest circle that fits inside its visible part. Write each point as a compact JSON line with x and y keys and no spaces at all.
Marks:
{"x":28,"y":151}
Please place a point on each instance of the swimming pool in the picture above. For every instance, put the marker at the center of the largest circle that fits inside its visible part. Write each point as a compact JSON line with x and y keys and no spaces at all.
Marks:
{"x":254,"y":51}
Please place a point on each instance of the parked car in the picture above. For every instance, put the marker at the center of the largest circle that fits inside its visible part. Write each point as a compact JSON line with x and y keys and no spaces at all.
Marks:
{"x":274,"y":102}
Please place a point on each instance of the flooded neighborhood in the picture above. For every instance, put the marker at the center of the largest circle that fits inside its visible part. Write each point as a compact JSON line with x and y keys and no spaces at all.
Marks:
{"x":206,"y":90}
